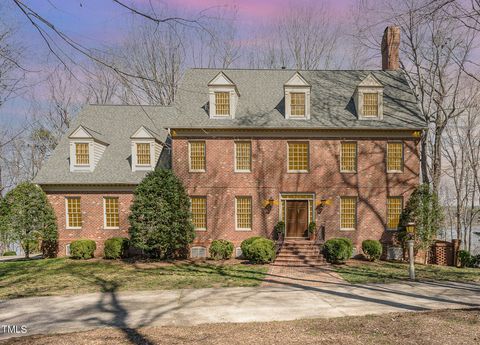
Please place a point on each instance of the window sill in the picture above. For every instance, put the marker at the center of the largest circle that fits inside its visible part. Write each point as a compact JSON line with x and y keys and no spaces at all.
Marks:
{"x":298,"y":171}
{"x":243,"y":229}
{"x":394,"y":171}
{"x":197,"y":171}
{"x":111,"y":228}
{"x":200,"y":229}
{"x":348,"y":229}
{"x":348,"y":172}
{"x":73,"y":228}
{"x":242,"y":171}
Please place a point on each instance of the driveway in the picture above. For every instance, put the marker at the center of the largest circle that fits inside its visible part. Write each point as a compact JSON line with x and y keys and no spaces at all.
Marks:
{"x":268,"y":303}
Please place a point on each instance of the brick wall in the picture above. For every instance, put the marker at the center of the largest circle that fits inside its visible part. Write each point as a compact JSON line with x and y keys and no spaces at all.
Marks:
{"x":92,"y":217}
{"x":269,"y":177}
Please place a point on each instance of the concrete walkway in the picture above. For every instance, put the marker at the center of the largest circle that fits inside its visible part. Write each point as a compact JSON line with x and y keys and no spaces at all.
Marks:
{"x":189,"y":307}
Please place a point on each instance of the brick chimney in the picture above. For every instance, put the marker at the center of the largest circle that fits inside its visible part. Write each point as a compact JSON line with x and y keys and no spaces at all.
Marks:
{"x":390,"y":45}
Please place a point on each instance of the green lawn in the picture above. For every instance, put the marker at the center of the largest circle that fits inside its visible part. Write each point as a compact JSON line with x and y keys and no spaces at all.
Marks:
{"x":356,"y":271}
{"x":66,"y":276}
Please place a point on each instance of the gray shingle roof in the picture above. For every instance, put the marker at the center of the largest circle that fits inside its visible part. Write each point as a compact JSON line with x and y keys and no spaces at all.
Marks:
{"x":260,"y":105}
{"x":261,"y":102}
{"x":116,"y":124}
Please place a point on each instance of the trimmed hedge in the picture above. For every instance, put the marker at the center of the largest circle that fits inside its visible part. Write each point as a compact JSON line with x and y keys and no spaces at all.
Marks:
{"x":82,"y":249}
{"x":467,"y":259}
{"x":258,"y":250}
{"x":221,"y":249}
{"x":115,"y":247}
{"x":372,"y":249}
{"x":245,"y":245}
{"x":9,"y":253}
{"x":338,"y":250}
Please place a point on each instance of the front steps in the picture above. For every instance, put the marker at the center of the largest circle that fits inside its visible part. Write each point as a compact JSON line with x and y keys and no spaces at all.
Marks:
{"x":299,"y":253}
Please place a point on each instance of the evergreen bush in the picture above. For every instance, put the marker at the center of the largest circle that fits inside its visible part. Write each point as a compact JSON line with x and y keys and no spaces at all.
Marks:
{"x":115,"y":248}
{"x":221,"y":249}
{"x":338,"y":250}
{"x":160,"y":216}
{"x":372,"y":249}
{"x":82,"y":249}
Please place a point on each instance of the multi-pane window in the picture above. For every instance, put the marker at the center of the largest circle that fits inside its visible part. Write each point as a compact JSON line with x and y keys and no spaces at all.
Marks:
{"x":143,"y":154}
{"x":82,"y":154}
{"x":394,"y":210}
{"x":297,"y":104}
{"x":199,"y":212}
{"x":297,"y":156}
{"x":370,"y":104}
{"x":394,"y":157}
{"x":243,"y":205}
{"x":112,"y":218}
{"x":348,"y":212}
{"x":197,"y":155}
{"x":222,"y":103}
{"x":348,"y":157}
{"x":74,"y":213}
{"x":243,"y":155}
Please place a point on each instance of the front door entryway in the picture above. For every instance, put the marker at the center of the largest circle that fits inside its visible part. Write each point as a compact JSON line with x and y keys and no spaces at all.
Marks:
{"x":297,"y":218}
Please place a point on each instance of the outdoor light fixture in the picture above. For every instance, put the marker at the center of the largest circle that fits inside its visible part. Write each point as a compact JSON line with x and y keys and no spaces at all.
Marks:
{"x":268,"y":204}
{"x":411,"y":256}
{"x":322,"y":203}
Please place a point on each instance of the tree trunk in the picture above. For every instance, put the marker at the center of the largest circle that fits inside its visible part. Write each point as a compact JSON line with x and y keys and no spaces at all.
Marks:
{"x":423,"y":158}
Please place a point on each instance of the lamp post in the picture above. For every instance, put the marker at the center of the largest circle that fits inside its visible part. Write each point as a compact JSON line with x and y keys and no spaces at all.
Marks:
{"x":411,"y":257}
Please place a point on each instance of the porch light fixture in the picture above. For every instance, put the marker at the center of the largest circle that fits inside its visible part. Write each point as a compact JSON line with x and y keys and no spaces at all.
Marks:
{"x":269,"y":204}
{"x":322,"y":203}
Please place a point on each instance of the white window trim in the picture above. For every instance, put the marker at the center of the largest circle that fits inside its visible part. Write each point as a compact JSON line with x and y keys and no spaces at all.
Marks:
{"x":212,"y":101}
{"x":288,"y":102}
{"x":143,"y":167}
{"x":73,"y":155}
{"x":251,"y":213}
{"x":105,"y":214}
{"x":67,"y":226}
{"x":235,"y":157}
{"x":403,"y":158}
{"x":359,"y":102}
{"x":356,"y":158}
{"x":288,"y":157}
{"x":206,"y":213}
{"x":190,"y":156}
{"x":356,"y":213}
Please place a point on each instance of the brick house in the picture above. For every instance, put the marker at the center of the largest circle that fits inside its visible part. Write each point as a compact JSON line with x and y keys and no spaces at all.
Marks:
{"x":252,"y":147}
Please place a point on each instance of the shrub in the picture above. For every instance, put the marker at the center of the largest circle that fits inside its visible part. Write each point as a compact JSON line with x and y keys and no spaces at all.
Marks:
{"x":279,"y":229}
{"x":221,"y":249}
{"x":372,"y":249}
{"x":115,"y":247}
{"x":260,"y":251}
{"x":338,"y":250}
{"x":245,"y":245}
{"x":160,"y":216}
{"x":31,"y":219}
{"x":466,"y":259}
{"x":9,"y":253}
{"x":312,"y":226}
{"x":82,"y":249}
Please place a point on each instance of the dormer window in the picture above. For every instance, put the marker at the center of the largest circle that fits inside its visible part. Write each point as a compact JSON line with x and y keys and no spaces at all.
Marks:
{"x":297,"y":104}
{"x":143,"y":154}
{"x":82,"y":154}
{"x":369,"y":99}
{"x":297,"y":98}
{"x":86,"y":149}
{"x":370,"y":104}
{"x":223,"y":97}
{"x":222,"y":103}
{"x":146,"y":148}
